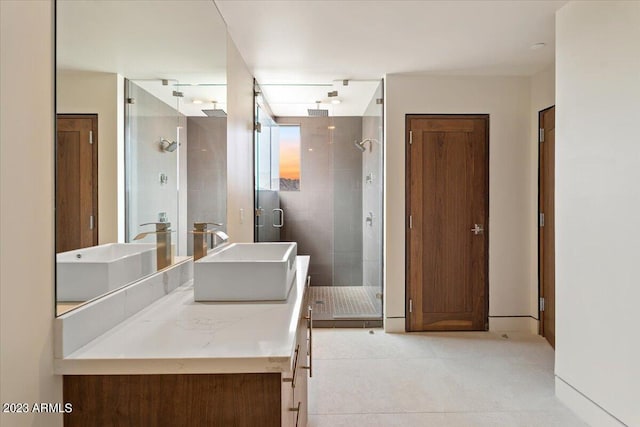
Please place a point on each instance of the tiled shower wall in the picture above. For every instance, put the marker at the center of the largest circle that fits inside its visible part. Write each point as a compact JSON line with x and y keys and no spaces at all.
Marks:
{"x":325,"y":216}
{"x":206,"y":172}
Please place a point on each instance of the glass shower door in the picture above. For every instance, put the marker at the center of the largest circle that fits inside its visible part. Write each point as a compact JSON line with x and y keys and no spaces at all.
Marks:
{"x":269,"y":217}
{"x":153,"y":131}
{"x":372,"y":199}
{"x":357,"y":214}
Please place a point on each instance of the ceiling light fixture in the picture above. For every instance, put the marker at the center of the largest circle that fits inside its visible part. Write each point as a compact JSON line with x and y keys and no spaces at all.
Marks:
{"x":537,"y":46}
{"x":197,"y":101}
{"x":335,"y":101}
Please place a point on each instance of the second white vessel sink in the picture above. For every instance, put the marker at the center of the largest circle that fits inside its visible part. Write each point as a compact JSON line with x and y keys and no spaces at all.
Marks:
{"x":246,"y":272}
{"x":83,"y":274}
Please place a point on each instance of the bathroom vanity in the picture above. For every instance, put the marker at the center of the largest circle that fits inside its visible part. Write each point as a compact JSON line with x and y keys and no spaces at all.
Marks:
{"x":178,"y":362}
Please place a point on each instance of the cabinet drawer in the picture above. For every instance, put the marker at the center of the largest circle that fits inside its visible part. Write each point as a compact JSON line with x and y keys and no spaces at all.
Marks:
{"x":294,"y":385}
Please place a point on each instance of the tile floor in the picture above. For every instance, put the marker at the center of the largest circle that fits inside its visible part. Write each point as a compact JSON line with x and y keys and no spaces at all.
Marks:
{"x":441,"y":379}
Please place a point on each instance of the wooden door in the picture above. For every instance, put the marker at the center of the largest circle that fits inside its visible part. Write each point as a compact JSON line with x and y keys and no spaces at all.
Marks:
{"x":546,"y":235}
{"x":447,"y":185}
{"x":76,"y":181}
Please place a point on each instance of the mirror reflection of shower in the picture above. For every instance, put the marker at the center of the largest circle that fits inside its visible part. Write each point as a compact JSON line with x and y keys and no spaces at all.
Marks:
{"x":361,"y":145}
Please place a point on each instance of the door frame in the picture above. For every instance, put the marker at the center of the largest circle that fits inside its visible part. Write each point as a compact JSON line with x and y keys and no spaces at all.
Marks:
{"x":541,"y":293}
{"x":95,"y":165}
{"x":408,"y":118}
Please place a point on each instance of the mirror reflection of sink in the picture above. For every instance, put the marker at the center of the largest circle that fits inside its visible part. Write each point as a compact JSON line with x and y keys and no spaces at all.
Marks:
{"x":246,"y":272}
{"x":83,"y":274}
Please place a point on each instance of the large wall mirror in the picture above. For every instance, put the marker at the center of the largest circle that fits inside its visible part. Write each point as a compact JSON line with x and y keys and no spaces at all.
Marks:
{"x":140,"y":138}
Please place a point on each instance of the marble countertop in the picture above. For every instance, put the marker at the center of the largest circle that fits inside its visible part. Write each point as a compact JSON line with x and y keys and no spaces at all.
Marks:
{"x":176,"y":335}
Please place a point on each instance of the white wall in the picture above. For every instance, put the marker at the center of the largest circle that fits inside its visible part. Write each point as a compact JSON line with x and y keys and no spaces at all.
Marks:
{"x":26,"y":222}
{"x":597,"y":209}
{"x":543,"y":95}
{"x":239,"y":147}
{"x":85,"y":92}
{"x":507,"y":100}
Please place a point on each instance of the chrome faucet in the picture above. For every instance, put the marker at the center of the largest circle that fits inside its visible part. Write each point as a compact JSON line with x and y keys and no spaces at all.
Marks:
{"x":200,"y":233}
{"x":164,"y":254}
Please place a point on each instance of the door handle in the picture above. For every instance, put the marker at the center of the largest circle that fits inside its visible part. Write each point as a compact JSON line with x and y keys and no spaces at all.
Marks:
{"x":281,"y":218}
{"x":477,"y":229}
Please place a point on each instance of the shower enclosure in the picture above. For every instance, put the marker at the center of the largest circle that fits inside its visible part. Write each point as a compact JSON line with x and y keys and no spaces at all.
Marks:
{"x":356,"y":290}
{"x":154,"y":166}
{"x":334,"y":210}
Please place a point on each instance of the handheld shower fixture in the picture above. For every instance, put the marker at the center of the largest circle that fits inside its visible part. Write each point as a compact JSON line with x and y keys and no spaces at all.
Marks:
{"x":168,"y":146}
{"x":361,"y":145}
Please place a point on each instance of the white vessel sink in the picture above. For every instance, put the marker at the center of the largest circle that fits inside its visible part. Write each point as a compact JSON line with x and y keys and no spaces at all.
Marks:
{"x":246,"y":272}
{"x":83,"y":274}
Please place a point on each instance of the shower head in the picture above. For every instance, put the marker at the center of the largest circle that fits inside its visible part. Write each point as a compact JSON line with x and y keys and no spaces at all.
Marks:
{"x":168,"y":146}
{"x":215,"y":112}
{"x":361,"y":145}
{"x":317,"y":112}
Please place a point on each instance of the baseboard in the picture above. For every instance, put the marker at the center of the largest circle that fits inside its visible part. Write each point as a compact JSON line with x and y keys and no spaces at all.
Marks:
{"x":583,"y":407}
{"x":496,"y":324}
{"x":534,"y":326}
{"x":394,"y":325}
{"x":505,"y":324}
{"x":348,"y":323}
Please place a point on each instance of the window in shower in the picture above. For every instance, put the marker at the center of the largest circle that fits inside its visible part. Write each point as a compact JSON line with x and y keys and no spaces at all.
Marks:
{"x":290,"y":158}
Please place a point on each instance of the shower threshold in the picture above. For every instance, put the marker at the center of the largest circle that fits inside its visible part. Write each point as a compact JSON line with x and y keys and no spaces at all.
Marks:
{"x":345,"y":306}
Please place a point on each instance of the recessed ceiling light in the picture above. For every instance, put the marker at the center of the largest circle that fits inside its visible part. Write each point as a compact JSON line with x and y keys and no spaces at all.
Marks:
{"x":537,"y":46}
{"x":197,"y":101}
{"x":331,"y":127}
{"x":335,"y":101}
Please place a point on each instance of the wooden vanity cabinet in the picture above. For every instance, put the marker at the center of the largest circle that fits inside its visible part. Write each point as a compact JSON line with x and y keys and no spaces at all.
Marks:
{"x":192,"y":400}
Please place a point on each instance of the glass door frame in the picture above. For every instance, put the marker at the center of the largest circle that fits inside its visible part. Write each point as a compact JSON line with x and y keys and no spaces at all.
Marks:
{"x":261,"y":109}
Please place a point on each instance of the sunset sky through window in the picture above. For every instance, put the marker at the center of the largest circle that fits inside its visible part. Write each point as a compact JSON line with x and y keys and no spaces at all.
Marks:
{"x":290,"y":152}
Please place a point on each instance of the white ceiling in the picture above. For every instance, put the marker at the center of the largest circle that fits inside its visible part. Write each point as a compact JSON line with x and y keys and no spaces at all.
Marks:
{"x":204,"y":96}
{"x":303,"y":41}
{"x":308,"y":41}
{"x":183,"y":40}
{"x":294,"y":100}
